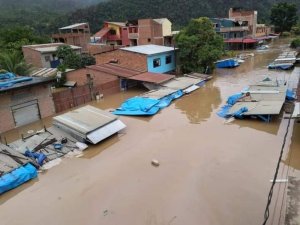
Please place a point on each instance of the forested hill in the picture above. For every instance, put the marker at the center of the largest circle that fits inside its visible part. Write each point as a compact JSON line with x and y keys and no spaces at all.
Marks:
{"x":178,"y":11}
{"x":45,"y":16}
{"x":38,"y":14}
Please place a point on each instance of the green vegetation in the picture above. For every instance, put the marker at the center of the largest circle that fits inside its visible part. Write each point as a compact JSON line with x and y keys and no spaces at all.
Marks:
{"x":296,"y":29}
{"x":284,"y":16}
{"x":13,"y":38}
{"x":13,"y":62}
{"x":71,"y":60}
{"x":200,"y":46}
{"x":295,"y":43}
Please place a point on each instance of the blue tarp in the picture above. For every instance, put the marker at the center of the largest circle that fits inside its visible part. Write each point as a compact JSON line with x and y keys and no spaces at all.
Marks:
{"x":290,"y":95}
{"x":140,"y":106}
{"x":7,"y":75}
{"x":234,"y":98}
{"x":224,"y":111}
{"x":239,"y":114}
{"x":17,"y":177}
{"x":9,"y":79}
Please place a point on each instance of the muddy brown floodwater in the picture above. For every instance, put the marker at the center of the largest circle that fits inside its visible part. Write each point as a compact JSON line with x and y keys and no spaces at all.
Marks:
{"x":210,"y":173}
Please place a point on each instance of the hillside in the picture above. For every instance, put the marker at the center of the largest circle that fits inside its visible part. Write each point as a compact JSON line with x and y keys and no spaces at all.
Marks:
{"x":179,"y":11}
{"x":39,"y":14}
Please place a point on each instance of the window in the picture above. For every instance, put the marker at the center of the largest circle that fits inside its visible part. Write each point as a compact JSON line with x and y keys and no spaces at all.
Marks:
{"x":149,"y":39}
{"x":47,"y":58}
{"x":156,"y":63}
{"x":168,"y":59}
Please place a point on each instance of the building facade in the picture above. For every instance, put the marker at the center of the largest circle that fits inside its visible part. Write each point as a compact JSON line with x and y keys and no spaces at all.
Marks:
{"x":25,"y":103}
{"x":77,"y":34}
{"x":136,"y":32}
{"x":44,"y":55}
{"x":145,"y":58}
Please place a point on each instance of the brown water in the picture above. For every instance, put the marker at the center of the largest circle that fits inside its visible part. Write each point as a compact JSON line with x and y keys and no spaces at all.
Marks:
{"x":210,"y":172}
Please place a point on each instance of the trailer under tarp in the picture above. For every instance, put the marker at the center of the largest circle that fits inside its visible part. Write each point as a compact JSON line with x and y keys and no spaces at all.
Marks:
{"x":89,"y":124}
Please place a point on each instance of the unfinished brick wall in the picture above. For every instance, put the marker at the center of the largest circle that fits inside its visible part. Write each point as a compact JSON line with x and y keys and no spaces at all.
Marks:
{"x":99,"y":78}
{"x":125,"y":59}
{"x":150,"y":32}
{"x":32,"y":57}
{"x":41,"y":93}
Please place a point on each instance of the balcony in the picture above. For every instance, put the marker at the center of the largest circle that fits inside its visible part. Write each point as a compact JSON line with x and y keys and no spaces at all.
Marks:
{"x":231,"y":29}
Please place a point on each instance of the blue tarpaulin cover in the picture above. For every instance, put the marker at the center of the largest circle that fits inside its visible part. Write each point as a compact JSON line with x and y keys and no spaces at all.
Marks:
{"x":17,"y":177}
{"x":140,"y":106}
{"x":224,"y":111}
{"x":290,"y":95}
{"x":10,"y":79}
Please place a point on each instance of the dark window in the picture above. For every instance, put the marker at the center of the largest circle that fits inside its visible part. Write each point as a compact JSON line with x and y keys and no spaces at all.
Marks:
{"x":168,"y":59}
{"x":47,"y":58}
{"x":156,"y":63}
{"x":112,"y":32}
{"x":149,"y":39}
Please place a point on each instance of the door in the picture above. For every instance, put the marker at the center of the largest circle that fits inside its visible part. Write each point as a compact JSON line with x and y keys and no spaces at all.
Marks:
{"x":26,"y":113}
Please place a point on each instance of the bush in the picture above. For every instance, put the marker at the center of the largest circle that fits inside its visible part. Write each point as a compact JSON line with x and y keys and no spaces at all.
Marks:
{"x":295,"y":43}
{"x":296,"y":29}
{"x":286,"y":34}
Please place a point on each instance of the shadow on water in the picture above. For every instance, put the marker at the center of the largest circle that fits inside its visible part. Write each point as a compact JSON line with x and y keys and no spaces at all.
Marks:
{"x":293,"y":156}
{"x":199,"y":105}
{"x":14,"y":192}
{"x":257,"y":124}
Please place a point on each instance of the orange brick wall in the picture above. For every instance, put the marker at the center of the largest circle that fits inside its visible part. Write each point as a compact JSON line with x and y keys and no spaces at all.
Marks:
{"x":125,"y":59}
{"x":150,"y":30}
{"x":41,"y":92}
{"x":32,"y":57}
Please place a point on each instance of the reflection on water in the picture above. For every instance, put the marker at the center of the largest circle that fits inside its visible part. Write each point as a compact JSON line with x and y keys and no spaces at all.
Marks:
{"x":199,"y":105}
{"x":293,"y":157}
{"x":257,"y":124}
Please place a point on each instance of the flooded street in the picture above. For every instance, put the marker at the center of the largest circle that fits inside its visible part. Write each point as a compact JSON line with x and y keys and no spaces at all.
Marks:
{"x":210,"y":173}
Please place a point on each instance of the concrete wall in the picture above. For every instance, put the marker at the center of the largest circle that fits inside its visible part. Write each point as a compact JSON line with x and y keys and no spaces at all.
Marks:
{"x":125,"y":59}
{"x":163,"y":68}
{"x":41,"y":93}
{"x":32,"y":57}
{"x":167,"y":28}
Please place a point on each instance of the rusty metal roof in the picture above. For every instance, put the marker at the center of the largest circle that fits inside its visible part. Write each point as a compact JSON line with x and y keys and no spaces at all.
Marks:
{"x":156,"y":78}
{"x":115,"y":70}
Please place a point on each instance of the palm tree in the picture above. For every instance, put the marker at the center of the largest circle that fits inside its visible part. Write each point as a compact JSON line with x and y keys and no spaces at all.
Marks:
{"x":14,"y":62}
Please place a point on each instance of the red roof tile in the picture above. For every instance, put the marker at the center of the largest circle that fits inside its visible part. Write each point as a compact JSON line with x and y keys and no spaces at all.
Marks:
{"x":115,"y":70}
{"x":156,"y":78}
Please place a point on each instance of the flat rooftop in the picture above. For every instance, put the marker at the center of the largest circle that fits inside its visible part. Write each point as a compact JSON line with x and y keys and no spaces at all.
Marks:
{"x":149,"y":49}
{"x":51,"y":47}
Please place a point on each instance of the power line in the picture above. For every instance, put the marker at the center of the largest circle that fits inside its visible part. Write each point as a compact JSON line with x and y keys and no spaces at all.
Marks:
{"x":267,"y":210}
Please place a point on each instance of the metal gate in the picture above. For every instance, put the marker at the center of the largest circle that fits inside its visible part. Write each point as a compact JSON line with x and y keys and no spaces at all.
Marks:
{"x":26,"y":113}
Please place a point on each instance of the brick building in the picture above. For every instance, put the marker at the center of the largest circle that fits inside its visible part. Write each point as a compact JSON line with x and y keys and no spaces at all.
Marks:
{"x":136,"y":32}
{"x":44,"y":55}
{"x":25,"y":102}
{"x":78,"y":34}
{"x":145,"y":58}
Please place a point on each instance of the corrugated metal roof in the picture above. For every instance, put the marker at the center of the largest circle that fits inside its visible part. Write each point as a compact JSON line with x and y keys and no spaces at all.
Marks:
{"x":148,"y":49}
{"x":182,"y":83}
{"x":73,"y":26}
{"x":44,"y":72}
{"x":85,"y":119}
{"x":156,"y":78}
{"x":158,"y":94}
{"x":89,"y":123}
{"x":265,"y":100}
{"x":115,"y":70}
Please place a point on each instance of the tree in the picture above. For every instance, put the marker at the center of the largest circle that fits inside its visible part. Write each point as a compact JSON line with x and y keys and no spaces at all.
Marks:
{"x":14,"y":62}
{"x":72,"y":60}
{"x":283,"y":16}
{"x":295,"y":43}
{"x":199,"y":46}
